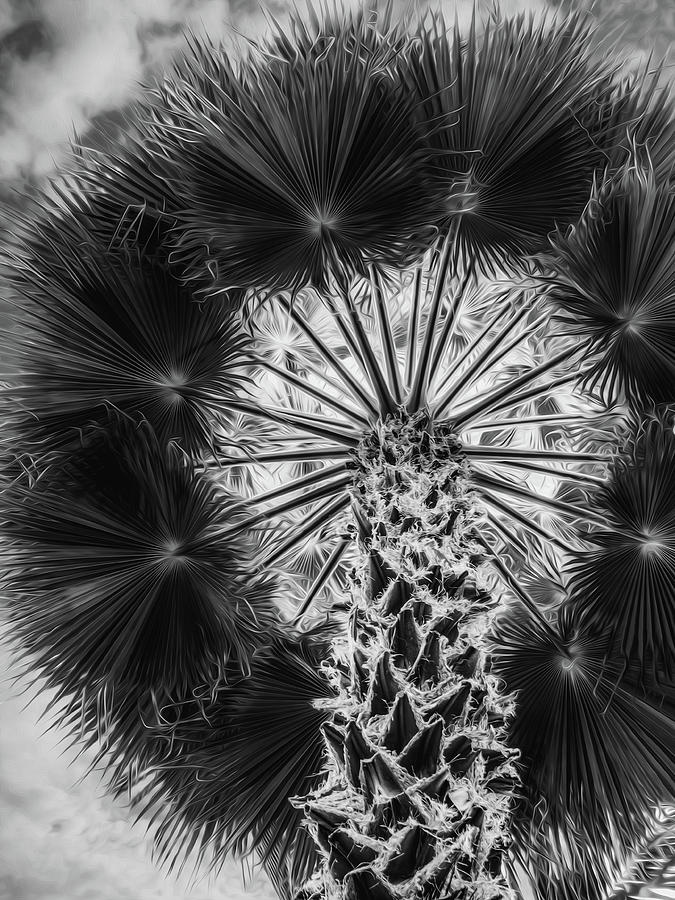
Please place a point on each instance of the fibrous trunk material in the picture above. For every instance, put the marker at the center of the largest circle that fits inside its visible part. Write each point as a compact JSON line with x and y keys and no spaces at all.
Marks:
{"x":420,"y":780}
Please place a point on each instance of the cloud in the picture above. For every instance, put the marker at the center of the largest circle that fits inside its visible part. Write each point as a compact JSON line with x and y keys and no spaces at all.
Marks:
{"x":67,"y":61}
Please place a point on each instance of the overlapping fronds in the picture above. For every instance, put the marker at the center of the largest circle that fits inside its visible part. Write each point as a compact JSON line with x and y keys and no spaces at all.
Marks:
{"x":293,"y":170}
{"x":518,"y":93}
{"x":625,"y":580}
{"x":97,"y":330}
{"x":614,"y":281}
{"x":597,"y":752}
{"x":123,"y":585}
{"x":234,"y":767}
{"x":632,"y":114}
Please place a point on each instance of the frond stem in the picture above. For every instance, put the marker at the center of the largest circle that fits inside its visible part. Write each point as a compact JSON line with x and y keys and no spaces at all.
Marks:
{"x":302,"y":385}
{"x":332,"y":360}
{"x":386,"y":339}
{"x":317,"y":520}
{"x":420,"y":380}
{"x":326,"y":571}
{"x":367,"y":356}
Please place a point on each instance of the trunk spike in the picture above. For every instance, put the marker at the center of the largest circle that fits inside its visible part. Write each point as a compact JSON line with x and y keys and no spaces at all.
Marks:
{"x":384,"y":686}
{"x":347,"y":853}
{"x":402,"y":725}
{"x":428,"y":665}
{"x":377,"y":776}
{"x":422,"y":755}
{"x":404,"y":639}
{"x":415,"y":850}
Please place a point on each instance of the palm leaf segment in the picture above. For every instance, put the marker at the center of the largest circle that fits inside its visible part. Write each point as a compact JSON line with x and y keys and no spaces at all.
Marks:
{"x":625,"y":581}
{"x":235,"y":764}
{"x":302,"y":165}
{"x":99,"y":330}
{"x":522,"y":100}
{"x":615,"y":282}
{"x":121,"y":589}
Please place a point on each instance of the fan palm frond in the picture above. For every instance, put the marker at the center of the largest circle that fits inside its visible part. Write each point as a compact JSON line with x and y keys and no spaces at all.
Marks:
{"x":298,"y":169}
{"x":614,"y":281}
{"x":625,"y":582}
{"x":509,"y":103}
{"x":98,"y":330}
{"x":121,"y":586}
{"x":597,"y":753}
{"x":233,"y":769}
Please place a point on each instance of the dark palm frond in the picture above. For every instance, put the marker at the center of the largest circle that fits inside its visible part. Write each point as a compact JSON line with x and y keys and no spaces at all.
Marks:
{"x":614,"y":280}
{"x":120,"y":582}
{"x":635,"y":114}
{"x":289,"y":177}
{"x":652,"y":870}
{"x":625,"y":581}
{"x":97,"y":330}
{"x":234,"y":769}
{"x":128,"y":205}
{"x":508,"y":104}
{"x":597,"y":753}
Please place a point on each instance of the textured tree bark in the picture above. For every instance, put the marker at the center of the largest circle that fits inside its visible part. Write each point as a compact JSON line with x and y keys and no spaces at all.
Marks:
{"x":416,"y":803}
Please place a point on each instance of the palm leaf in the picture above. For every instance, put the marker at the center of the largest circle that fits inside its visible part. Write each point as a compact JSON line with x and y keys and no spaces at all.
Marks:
{"x":653,"y":868}
{"x":233,"y":770}
{"x":121,"y":588}
{"x":614,"y":281}
{"x":509,"y":105}
{"x":597,"y":755}
{"x":298,"y":168}
{"x":636,"y":113}
{"x":97,"y":330}
{"x":625,"y":582}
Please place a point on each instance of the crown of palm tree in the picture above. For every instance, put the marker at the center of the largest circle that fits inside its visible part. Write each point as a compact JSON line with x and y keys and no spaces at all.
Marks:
{"x":315,"y":173}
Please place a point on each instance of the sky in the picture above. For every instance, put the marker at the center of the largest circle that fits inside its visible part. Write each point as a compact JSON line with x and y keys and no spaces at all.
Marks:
{"x":67,"y":66}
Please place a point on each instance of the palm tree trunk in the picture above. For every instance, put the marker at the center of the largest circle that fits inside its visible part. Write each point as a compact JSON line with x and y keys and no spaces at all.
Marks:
{"x":416,"y":802}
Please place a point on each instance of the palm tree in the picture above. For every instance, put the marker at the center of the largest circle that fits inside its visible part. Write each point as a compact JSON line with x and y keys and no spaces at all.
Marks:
{"x":340,"y":459}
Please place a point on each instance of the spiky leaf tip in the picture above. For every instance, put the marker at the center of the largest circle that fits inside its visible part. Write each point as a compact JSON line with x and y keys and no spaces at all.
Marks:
{"x":614,"y":281}
{"x":233,"y":770}
{"x":508,"y":102}
{"x":625,"y":581}
{"x":597,"y":752}
{"x":304,"y":165}
{"x":97,"y":330}
{"x":635,"y":114}
{"x":122,"y":580}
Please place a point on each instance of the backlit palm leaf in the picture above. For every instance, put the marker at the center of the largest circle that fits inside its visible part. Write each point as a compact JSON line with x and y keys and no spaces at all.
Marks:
{"x":121,"y":583}
{"x":625,"y":581}
{"x":298,"y":169}
{"x":98,"y":330}
{"x":508,"y":102}
{"x":597,"y":752}
{"x":615,"y":282}
{"x":234,"y":768}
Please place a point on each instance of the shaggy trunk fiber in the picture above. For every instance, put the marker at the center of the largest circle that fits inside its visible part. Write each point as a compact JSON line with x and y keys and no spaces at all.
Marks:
{"x":416,"y":803}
